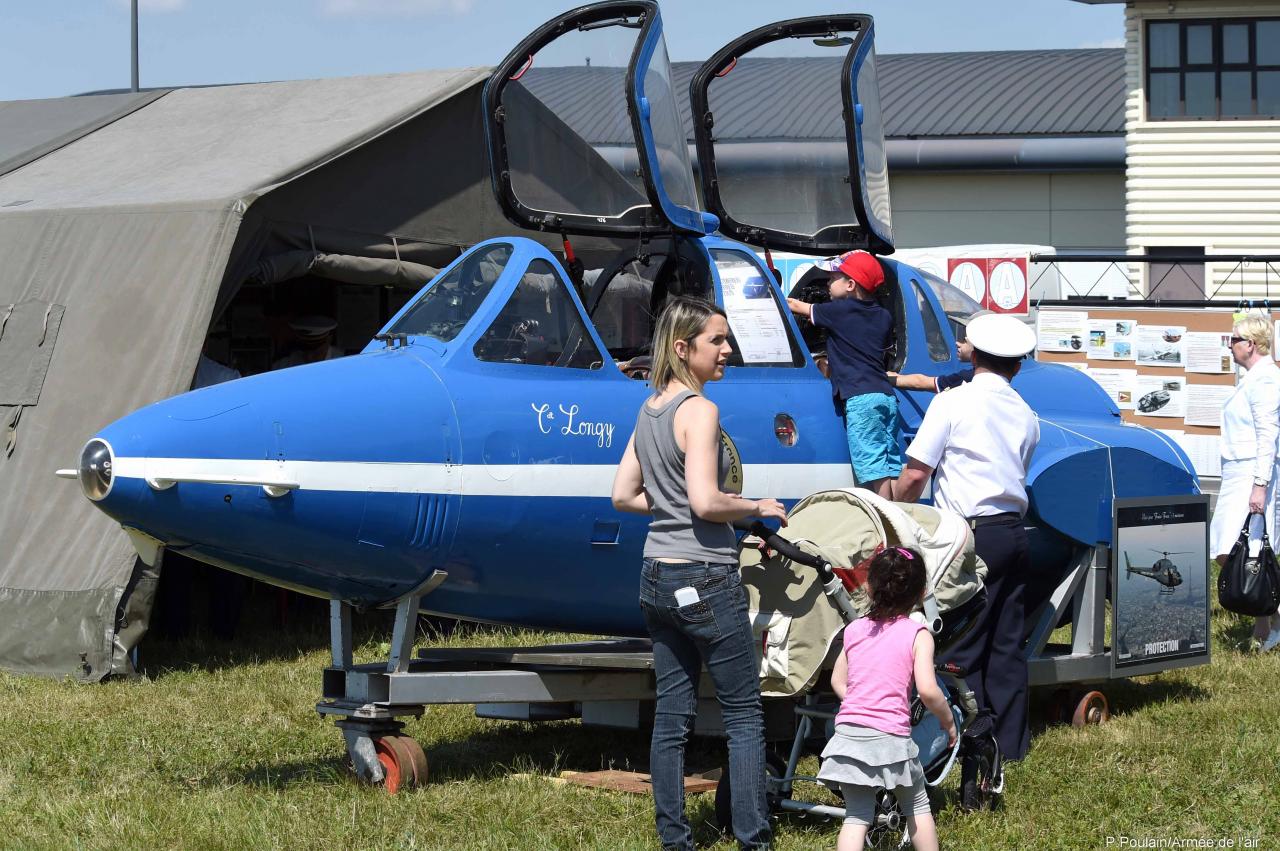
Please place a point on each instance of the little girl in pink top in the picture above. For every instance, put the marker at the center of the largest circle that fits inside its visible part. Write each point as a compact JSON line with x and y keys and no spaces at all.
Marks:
{"x":884,"y":653}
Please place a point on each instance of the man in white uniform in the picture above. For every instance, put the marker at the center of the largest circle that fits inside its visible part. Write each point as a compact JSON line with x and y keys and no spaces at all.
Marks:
{"x":977,"y":440}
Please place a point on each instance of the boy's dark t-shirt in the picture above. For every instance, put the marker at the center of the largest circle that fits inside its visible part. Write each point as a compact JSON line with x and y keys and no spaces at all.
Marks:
{"x":858,"y":335}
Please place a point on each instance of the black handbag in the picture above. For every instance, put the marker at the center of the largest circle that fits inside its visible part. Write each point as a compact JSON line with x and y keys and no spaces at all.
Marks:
{"x":1250,"y":585}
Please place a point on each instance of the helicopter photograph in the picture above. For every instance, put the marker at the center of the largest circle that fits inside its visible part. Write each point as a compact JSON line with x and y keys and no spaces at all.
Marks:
{"x":1162,"y":570}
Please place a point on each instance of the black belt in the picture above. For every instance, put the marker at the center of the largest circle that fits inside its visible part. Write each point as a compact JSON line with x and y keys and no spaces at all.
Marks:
{"x":1004,"y":517}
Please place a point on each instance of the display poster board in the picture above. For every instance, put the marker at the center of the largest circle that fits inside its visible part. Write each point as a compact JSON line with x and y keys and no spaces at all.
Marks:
{"x":1159,"y":584}
{"x":1169,"y":369}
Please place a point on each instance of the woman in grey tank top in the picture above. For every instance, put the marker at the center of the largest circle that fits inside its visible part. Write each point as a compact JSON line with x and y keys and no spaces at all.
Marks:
{"x":682,"y":470}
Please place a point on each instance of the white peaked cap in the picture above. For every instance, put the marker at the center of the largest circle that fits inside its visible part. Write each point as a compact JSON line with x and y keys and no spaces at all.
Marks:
{"x":1001,"y":335}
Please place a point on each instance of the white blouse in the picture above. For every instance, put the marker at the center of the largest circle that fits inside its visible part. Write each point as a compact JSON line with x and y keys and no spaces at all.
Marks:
{"x":1251,"y":419}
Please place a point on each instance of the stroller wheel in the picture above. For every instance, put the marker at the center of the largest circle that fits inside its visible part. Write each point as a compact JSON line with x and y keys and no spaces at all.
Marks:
{"x":981,"y":773}
{"x":775,"y":769}
{"x":888,"y":828}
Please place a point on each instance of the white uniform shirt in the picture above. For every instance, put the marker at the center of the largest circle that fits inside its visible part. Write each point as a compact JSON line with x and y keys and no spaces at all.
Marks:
{"x":1251,"y":419}
{"x":979,"y":438}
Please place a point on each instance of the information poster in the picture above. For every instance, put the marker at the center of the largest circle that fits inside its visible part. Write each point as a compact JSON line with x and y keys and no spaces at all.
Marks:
{"x":757,"y":325}
{"x":1158,"y":396}
{"x":1208,"y":352}
{"x":1061,"y":330}
{"x":1161,"y":345}
{"x":1120,"y":385}
{"x":1111,"y":339}
{"x":1205,"y":403}
{"x":1205,"y":452}
{"x":1160,"y":582}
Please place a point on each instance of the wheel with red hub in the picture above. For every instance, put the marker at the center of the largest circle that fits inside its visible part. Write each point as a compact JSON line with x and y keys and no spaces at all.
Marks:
{"x":1091,"y":709}
{"x":404,"y":764}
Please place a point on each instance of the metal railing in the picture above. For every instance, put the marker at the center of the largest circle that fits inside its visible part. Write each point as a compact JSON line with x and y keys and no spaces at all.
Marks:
{"x":1119,"y":262}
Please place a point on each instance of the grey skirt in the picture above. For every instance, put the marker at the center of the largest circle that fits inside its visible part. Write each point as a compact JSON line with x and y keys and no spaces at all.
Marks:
{"x":863,"y":756}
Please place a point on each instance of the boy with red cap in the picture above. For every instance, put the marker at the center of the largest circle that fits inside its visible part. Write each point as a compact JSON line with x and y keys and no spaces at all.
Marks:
{"x":859,"y":333}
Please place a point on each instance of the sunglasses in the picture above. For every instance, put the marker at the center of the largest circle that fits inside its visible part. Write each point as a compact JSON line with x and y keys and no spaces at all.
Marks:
{"x":1235,"y":340}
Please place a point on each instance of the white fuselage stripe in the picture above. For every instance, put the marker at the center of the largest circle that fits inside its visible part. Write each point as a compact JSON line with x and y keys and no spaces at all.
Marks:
{"x":780,"y":481}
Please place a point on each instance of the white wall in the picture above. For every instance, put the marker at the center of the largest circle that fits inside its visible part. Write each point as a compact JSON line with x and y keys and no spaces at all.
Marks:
{"x":1065,"y":210}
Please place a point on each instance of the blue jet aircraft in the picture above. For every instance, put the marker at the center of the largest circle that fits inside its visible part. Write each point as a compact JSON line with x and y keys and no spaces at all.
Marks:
{"x":478,"y":434}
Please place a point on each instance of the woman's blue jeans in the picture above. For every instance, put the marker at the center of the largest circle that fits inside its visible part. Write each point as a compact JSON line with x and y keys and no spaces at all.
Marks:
{"x":714,"y":631}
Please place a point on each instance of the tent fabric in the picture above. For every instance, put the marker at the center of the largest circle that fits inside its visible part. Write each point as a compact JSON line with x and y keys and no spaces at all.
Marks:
{"x":29,"y":129}
{"x":130,"y":229}
{"x":350,"y":269}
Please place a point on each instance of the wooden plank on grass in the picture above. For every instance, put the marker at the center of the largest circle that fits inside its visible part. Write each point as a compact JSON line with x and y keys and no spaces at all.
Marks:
{"x":632,"y":781}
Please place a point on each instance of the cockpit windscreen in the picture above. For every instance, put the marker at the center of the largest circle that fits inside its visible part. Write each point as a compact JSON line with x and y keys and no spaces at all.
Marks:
{"x":955,"y":303}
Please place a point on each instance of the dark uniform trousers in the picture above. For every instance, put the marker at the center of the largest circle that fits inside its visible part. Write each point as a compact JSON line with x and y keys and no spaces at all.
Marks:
{"x":992,"y":650}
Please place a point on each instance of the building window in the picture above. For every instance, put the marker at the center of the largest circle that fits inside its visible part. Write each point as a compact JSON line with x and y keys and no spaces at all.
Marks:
{"x":1213,"y":69}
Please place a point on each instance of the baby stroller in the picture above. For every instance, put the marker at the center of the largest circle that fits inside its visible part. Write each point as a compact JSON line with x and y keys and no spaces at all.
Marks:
{"x":806,"y":582}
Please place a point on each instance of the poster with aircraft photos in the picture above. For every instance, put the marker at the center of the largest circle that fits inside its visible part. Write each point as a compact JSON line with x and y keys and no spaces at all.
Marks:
{"x":1111,"y":339}
{"x":1161,"y":345}
{"x":1160,"y":396}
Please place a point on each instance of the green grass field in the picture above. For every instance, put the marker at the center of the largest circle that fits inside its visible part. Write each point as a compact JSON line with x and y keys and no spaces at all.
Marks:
{"x":218,"y":746}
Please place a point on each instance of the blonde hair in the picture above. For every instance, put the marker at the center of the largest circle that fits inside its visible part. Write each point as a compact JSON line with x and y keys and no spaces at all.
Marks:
{"x":1256,"y":328}
{"x":682,"y":318}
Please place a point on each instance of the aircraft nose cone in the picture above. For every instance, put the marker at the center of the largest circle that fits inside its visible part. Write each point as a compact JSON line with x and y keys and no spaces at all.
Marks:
{"x":95,"y":471}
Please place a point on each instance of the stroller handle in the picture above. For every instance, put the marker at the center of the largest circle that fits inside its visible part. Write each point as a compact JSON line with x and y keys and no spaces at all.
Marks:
{"x":789,"y":550}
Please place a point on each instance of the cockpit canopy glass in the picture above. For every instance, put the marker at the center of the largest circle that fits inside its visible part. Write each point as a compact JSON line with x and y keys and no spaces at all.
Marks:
{"x":955,"y":303}
{"x":568,"y":132}
{"x":573,"y":148}
{"x":810,"y":174}
{"x":453,"y":298}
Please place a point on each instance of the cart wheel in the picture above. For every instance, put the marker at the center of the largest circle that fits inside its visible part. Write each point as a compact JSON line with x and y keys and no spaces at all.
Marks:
{"x":888,"y":823}
{"x":403,"y":762}
{"x":775,"y":768}
{"x":1092,"y":709}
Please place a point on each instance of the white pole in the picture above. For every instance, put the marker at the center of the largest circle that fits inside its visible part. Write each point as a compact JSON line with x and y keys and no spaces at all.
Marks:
{"x":133,"y":22}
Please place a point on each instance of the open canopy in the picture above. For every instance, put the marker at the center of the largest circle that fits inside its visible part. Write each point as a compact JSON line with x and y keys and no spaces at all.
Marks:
{"x":546,"y":173}
{"x":819,"y":201}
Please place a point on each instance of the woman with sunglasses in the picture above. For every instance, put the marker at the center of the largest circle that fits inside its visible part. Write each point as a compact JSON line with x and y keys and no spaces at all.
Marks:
{"x":1250,"y":432}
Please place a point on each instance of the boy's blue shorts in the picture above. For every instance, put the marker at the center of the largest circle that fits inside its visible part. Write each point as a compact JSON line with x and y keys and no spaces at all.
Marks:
{"x":871,"y":425}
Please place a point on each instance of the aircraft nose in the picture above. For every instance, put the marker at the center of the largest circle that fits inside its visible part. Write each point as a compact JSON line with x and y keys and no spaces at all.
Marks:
{"x":288,"y":476}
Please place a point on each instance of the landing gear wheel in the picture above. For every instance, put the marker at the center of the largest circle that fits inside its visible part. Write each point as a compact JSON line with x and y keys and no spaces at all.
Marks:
{"x":775,"y":768}
{"x":888,"y":825}
{"x":404,"y":764}
{"x":1091,"y":709}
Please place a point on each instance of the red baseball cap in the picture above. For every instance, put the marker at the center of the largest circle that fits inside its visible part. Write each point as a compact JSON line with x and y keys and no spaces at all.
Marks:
{"x":858,"y":266}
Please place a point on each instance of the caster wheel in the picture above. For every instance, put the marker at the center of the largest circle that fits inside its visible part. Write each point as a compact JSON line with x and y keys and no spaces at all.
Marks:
{"x":888,"y":828}
{"x":1092,"y":709}
{"x":775,"y":768}
{"x":404,"y":764}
